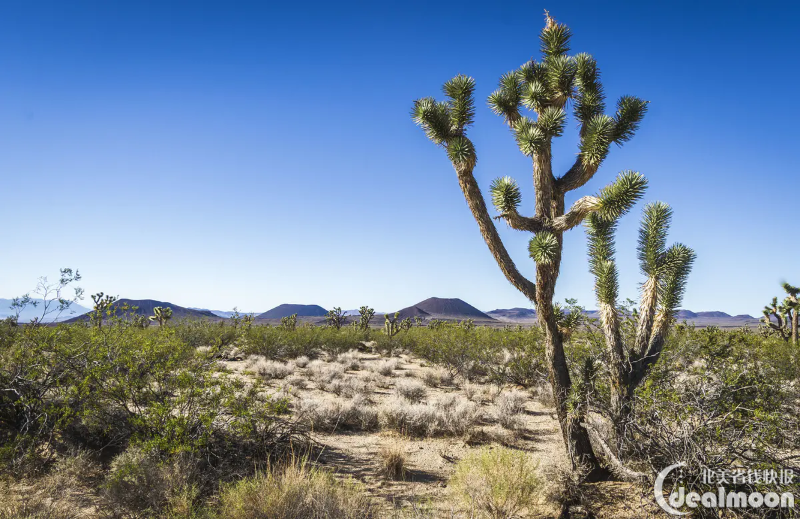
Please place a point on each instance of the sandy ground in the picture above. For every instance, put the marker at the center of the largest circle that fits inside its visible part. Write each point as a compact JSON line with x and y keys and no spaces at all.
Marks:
{"x":430,"y":460}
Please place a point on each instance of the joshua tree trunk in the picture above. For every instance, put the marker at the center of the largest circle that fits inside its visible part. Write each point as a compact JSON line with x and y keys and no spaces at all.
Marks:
{"x":576,"y":437}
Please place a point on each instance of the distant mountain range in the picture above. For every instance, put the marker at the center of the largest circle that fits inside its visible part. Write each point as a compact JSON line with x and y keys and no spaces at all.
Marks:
{"x":431,"y":308}
{"x":712,"y":318}
{"x":32,"y":312}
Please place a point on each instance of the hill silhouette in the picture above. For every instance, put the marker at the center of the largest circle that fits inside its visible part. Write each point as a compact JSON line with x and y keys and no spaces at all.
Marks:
{"x":146,"y":306}
{"x":286,"y":310}
{"x":440,"y":308}
{"x":412,"y":311}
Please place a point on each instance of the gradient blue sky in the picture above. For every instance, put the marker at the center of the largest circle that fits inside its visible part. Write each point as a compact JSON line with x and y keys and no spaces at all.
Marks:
{"x":215,"y":154}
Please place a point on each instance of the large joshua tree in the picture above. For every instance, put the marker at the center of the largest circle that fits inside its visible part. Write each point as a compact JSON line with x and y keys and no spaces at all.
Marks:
{"x":545,"y":88}
{"x":666,"y":270}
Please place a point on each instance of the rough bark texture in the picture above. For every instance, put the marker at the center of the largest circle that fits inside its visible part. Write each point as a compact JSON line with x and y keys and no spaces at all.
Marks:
{"x":576,"y":437}
{"x":647,"y":312}
{"x":476,"y":204}
{"x":619,"y":369}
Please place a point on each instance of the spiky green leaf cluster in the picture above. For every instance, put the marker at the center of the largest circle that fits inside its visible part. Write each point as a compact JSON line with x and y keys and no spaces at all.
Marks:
{"x":434,"y":118}
{"x":445,"y":122}
{"x":549,"y":85}
{"x":551,"y":121}
{"x":555,"y":38}
{"x":530,"y":138}
{"x":533,"y":136}
{"x":601,"y":257}
{"x":506,"y":195}
{"x":791,"y":290}
{"x":535,"y":96}
{"x":630,"y":112}
{"x":560,"y":78}
{"x":462,"y":107}
{"x":506,"y":99}
{"x":679,"y":261}
{"x":543,"y":248}
{"x":617,"y":198}
{"x":652,"y":243}
{"x":589,"y":99}
{"x":598,"y":133}
{"x":460,"y":151}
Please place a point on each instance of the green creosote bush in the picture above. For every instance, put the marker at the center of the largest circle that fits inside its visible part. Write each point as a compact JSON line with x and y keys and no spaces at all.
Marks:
{"x":497,"y":483}
{"x":296,"y":491}
{"x":108,"y":387}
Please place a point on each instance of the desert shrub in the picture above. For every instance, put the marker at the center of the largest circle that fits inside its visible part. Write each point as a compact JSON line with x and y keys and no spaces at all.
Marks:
{"x":351,"y":360}
{"x":376,"y":380}
{"x":496,"y":482}
{"x":106,"y":388}
{"x":325,"y":373}
{"x":407,"y":418}
{"x":61,"y":492}
{"x":203,"y":333}
{"x":411,"y":389}
{"x":455,"y":415}
{"x":296,"y":491}
{"x":281,"y":343}
{"x":505,"y":356}
{"x":392,"y":461}
{"x":543,"y":394}
{"x":449,"y":415}
{"x":384,"y":367}
{"x":270,"y":369}
{"x":437,"y":377}
{"x":140,"y":481}
{"x":508,"y":406}
{"x":301,"y":361}
{"x":331,"y":414}
{"x":351,"y":386}
{"x":511,"y":402}
{"x":719,"y":400}
{"x":297,"y":381}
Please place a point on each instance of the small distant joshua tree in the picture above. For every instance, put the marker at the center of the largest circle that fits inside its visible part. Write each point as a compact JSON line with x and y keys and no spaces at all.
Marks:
{"x":545,"y":88}
{"x":103,"y":308}
{"x":289,"y":323}
{"x":161,"y":315}
{"x":785,"y":315}
{"x":390,"y":325}
{"x":336,"y":318}
{"x":365,"y":315}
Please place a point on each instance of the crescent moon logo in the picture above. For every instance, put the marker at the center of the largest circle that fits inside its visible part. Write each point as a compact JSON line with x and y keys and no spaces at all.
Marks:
{"x":659,"y":490}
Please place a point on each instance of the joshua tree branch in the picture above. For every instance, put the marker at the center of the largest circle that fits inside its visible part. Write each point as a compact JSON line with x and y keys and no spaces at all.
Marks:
{"x":618,"y":467}
{"x":647,"y":311}
{"x":579,"y":210}
{"x":659,"y":336}
{"x":522,"y":223}
{"x":575,"y":177}
{"x":472,"y":193}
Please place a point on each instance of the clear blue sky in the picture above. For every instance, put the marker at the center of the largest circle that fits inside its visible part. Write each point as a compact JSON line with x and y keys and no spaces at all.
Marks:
{"x":215,"y":154}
